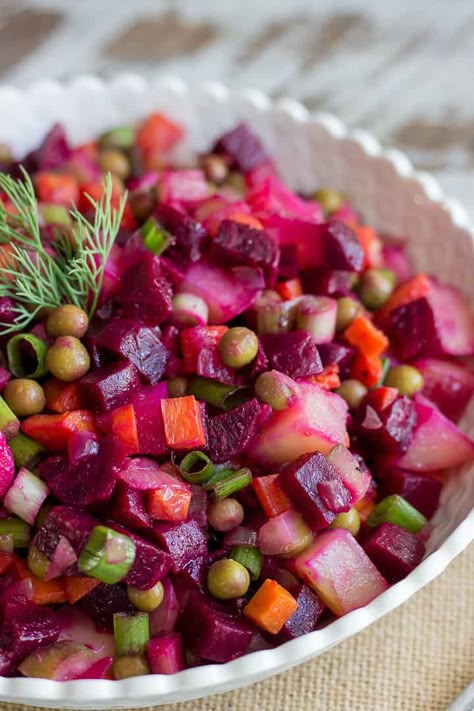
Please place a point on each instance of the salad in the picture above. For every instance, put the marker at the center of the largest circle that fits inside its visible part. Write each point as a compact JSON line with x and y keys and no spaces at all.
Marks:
{"x":227,"y":410}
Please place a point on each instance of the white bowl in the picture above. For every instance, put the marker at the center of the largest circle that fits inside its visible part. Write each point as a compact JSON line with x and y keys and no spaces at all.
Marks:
{"x":311,"y":150}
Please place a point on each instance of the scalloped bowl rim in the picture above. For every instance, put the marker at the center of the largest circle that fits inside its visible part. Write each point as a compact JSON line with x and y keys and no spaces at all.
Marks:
{"x":215,"y":678}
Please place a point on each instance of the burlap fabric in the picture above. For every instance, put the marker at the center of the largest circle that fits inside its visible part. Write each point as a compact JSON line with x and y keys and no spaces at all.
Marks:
{"x":418,"y":658}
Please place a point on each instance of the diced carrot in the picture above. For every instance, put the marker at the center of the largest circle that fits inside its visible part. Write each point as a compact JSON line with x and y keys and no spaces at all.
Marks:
{"x":57,"y":188}
{"x":61,"y":397}
{"x":290,"y":289}
{"x":55,"y":431}
{"x":45,"y":592}
{"x":182,"y":417}
{"x":76,"y":587}
{"x":244,"y":219}
{"x":383,"y":397}
{"x":369,"y":339}
{"x":411,"y":290}
{"x":6,"y":259}
{"x":272,"y":498}
{"x":94,"y":191}
{"x":365,"y":506}
{"x":122,"y":423}
{"x":157,"y":135}
{"x":329,"y":378}
{"x":367,"y":370}
{"x":5,"y":561}
{"x":371,"y":244}
{"x":271,"y":607}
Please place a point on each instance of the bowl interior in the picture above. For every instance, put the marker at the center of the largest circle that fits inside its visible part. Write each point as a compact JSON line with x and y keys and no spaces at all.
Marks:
{"x":310,"y":152}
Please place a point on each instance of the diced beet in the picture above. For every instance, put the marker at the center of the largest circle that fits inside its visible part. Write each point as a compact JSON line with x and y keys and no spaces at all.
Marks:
{"x":109,"y":386}
{"x":439,"y":323}
{"x":242,"y":148}
{"x":288,"y":265}
{"x":270,"y":195}
{"x":82,"y":445}
{"x":229,"y":434}
{"x":335,"y":495}
{"x":420,"y":490}
{"x":150,"y":427}
{"x":340,"y":571}
{"x":187,"y":545}
{"x":294,"y":354}
{"x":437,"y":443}
{"x":145,"y":292}
{"x":301,"y":483}
{"x":139,"y":344}
{"x":315,"y":422}
{"x":200,"y":345}
{"x":198,"y":506}
{"x":129,"y":508}
{"x":305,"y":618}
{"x":448,"y":384}
{"x":300,"y":235}
{"x":237,"y":243}
{"x":31,"y":627}
{"x":342,"y":248}
{"x":210,"y":632}
{"x":53,"y":152}
{"x":103,"y":602}
{"x":164,"y":618}
{"x":166,"y":654}
{"x":227,"y":292}
{"x":339,"y":353}
{"x":64,"y":522}
{"x":190,"y":236}
{"x":7,"y":465}
{"x":354,"y":475}
{"x":394,"y":551}
{"x":327,"y":282}
{"x":395,"y":258}
{"x":393,"y":431}
{"x":89,"y":482}
{"x":151,"y":564}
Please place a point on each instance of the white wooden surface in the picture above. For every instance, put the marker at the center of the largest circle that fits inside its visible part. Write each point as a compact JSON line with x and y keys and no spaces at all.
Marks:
{"x":400,"y":68}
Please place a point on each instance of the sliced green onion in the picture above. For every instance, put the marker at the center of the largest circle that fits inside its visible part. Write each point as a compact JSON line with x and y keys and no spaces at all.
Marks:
{"x":277,"y":317}
{"x":385,"y":368}
{"x":196,"y":467}
{"x":26,"y":355}
{"x":237,"y":481}
{"x":131,"y":633}
{"x":224,"y":396}
{"x":17,"y":529}
{"x":220,"y":474}
{"x":26,"y":451}
{"x":107,"y":556}
{"x":250,"y":557}
{"x":121,"y":137}
{"x":9,"y":422}
{"x":155,"y":238}
{"x":395,"y":509}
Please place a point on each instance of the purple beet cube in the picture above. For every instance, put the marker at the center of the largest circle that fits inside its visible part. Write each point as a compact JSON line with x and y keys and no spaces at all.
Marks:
{"x":151,"y":564}
{"x":166,"y":654}
{"x":189,"y":236}
{"x":397,"y":424}
{"x":103,"y":602}
{"x":236,"y":243}
{"x":31,"y":627}
{"x":187,"y":546}
{"x":145,"y":291}
{"x":64,"y":522}
{"x":129,"y":508}
{"x":420,"y":490}
{"x":294,"y":354}
{"x":413,"y":330}
{"x":136,"y":343}
{"x":305,"y":618}
{"x":394,"y":551}
{"x":327,"y":282}
{"x":342,"y":249}
{"x":339,"y":353}
{"x":53,"y":152}
{"x":212,"y":633}
{"x":242,"y":147}
{"x":150,"y":426}
{"x":305,"y":482}
{"x":230,"y":433}
{"x":110,"y":386}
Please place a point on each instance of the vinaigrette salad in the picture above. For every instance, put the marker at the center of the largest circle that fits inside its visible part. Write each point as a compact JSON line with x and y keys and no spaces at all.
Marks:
{"x":226,"y":412}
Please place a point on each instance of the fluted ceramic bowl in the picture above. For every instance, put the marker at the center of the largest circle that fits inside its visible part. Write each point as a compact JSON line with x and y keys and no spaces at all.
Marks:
{"x":311,"y":150}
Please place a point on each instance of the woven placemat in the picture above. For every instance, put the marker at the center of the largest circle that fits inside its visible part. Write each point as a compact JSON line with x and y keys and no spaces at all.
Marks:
{"x":418,"y":658}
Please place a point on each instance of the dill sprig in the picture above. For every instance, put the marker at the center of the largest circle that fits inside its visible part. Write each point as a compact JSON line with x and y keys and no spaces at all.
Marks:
{"x":70,"y":271}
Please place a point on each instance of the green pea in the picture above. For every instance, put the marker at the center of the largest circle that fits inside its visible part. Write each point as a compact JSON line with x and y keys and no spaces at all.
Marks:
{"x":349,"y":520}
{"x":376,"y":287}
{"x":330,"y":200}
{"x":406,"y":378}
{"x":276,"y":389}
{"x":24,"y":397}
{"x":68,"y":359}
{"x":238,"y":347}
{"x":121,"y":137}
{"x":347,"y":310}
{"x":352,"y":391}
{"x":228,"y":579}
{"x":67,"y":320}
{"x":146,"y":600}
